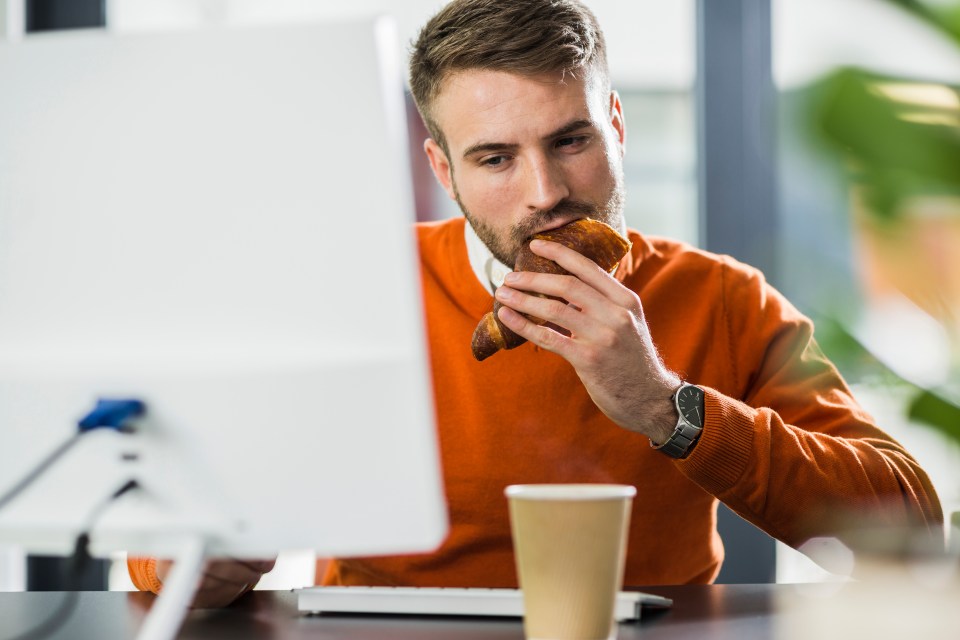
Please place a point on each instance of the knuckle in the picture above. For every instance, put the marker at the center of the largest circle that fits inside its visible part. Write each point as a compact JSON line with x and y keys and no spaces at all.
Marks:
{"x":518,"y":278}
{"x":556,"y":308}
{"x":634,"y":305}
{"x":548,"y":339}
{"x":572,"y":283}
{"x":623,"y":319}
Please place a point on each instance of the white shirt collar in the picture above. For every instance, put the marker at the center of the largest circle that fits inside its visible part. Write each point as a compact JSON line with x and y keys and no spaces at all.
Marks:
{"x":489,"y":271}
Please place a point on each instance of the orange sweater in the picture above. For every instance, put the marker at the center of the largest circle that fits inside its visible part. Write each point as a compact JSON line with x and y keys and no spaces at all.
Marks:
{"x":784,"y":444}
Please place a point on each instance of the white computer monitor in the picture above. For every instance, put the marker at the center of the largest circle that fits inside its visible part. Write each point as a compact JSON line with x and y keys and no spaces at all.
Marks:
{"x":219,"y":223}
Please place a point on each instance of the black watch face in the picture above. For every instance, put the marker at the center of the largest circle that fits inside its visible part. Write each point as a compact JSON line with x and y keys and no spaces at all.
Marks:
{"x":690,"y":404}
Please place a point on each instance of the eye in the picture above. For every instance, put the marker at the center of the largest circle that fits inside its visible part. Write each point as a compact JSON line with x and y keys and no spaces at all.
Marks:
{"x":494,"y":161}
{"x":572,"y":142}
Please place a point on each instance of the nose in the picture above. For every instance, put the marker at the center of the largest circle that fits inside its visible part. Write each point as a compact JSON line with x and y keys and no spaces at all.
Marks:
{"x":546,"y":185}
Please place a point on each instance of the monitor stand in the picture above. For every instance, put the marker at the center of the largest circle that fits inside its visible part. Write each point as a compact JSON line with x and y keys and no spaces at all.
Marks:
{"x":171,"y":606}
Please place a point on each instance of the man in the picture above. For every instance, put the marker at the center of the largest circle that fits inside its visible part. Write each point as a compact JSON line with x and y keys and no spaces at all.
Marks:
{"x":526,"y":135}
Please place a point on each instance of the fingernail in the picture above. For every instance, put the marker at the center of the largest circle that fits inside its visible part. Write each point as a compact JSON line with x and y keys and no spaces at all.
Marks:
{"x":510,"y":278}
{"x":504,"y":293}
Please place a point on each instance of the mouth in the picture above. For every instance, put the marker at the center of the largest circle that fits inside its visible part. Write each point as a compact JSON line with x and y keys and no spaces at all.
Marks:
{"x":557,"y":223}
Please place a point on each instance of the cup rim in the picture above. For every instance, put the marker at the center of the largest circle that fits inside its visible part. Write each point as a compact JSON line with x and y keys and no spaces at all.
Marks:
{"x":584,"y":491}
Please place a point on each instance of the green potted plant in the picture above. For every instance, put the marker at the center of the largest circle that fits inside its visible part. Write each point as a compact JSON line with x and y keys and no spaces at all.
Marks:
{"x":899,"y":139}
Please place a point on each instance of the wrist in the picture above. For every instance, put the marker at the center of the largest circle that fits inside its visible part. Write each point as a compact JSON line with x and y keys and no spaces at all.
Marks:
{"x":660,"y":414}
{"x":664,"y":420}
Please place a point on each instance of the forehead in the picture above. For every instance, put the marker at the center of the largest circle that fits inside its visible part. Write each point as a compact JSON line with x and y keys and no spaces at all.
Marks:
{"x":497,"y":106}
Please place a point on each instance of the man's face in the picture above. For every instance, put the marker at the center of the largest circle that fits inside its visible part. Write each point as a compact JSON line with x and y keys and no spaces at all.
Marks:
{"x":528,"y":154}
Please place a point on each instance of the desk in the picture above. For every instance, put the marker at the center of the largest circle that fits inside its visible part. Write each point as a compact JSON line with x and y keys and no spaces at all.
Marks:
{"x":709,"y":612}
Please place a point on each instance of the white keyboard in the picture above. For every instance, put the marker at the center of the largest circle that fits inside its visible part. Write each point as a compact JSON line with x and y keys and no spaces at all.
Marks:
{"x":446,"y":601}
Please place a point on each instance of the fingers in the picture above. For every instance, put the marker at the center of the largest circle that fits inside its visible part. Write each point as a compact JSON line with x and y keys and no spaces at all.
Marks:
{"x":588,"y":286}
{"x":223,"y":581}
{"x":596,"y":311}
{"x":585,"y":270}
{"x":226,"y":580}
{"x":541,"y":336}
{"x":234,"y":571}
{"x":258,"y":566}
{"x":557,"y":319}
{"x":581,"y":308}
{"x":557,"y":311}
{"x":213,"y":596}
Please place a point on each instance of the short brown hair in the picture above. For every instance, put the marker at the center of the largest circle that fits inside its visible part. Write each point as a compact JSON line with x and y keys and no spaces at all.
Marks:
{"x":526,"y":37}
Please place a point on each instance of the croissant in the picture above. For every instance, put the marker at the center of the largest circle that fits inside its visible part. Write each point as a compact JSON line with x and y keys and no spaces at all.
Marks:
{"x":591,"y":238}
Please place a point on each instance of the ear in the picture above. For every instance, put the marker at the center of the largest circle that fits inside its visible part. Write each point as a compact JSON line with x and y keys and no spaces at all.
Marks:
{"x":616,"y":119}
{"x":440,"y":166}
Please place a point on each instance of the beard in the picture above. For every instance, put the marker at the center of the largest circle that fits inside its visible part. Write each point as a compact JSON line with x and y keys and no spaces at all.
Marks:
{"x":505,"y":247}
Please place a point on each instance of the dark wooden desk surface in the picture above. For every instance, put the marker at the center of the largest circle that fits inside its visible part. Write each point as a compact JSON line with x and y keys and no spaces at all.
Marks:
{"x":704,"y":612}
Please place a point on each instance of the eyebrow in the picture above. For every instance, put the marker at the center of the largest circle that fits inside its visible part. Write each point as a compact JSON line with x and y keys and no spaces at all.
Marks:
{"x":483,"y":147}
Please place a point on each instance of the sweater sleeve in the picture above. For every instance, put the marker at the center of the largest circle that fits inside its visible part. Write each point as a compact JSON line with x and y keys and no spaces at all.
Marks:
{"x":786,"y":446}
{"x":143,"y":573}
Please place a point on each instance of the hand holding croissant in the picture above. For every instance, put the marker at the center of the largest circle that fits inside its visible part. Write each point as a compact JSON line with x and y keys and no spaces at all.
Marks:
{"x":591,"y":238}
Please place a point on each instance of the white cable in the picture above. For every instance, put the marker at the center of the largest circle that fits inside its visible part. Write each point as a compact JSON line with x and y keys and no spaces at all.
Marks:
{"x":168,"y":611}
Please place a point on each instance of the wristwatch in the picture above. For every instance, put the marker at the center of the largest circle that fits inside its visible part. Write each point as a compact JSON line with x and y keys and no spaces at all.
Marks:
{"x":689,"y":403}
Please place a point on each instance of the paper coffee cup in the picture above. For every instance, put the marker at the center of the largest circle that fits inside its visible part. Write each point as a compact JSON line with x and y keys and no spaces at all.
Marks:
{"x":570,"y":543}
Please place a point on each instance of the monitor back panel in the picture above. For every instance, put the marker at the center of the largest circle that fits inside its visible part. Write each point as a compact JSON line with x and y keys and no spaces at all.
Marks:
{"x":219,"y":223}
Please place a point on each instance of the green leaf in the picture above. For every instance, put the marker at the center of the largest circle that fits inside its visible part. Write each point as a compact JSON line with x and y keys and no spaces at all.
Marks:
{"x":897,"y":148}
{"x":936,"y":411}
